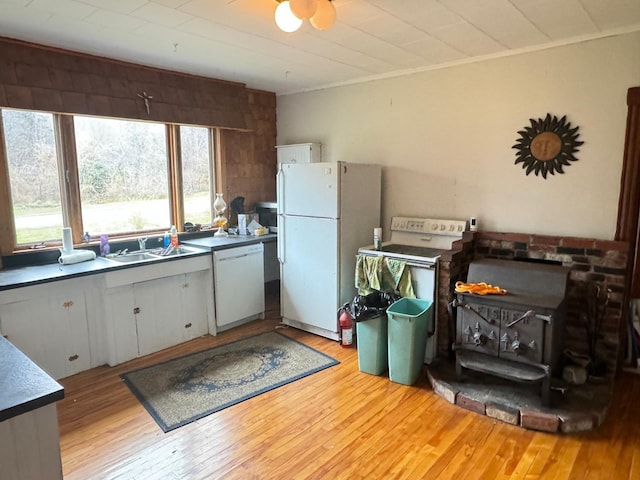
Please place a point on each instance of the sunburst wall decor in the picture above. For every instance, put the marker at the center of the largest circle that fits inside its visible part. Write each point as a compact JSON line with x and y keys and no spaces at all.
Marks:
{"x":547,"y":145}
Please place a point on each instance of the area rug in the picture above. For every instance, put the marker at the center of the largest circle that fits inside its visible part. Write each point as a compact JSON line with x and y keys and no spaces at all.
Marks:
{"x":179,"y":391}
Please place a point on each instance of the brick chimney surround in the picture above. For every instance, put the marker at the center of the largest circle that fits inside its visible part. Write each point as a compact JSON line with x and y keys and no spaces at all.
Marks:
{"x":590,"y":260}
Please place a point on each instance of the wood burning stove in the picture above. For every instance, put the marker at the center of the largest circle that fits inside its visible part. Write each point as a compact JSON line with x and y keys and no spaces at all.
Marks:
{"x":517,"y":336}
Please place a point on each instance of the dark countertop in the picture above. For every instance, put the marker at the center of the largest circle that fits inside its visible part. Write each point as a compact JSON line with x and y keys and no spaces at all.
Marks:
{"x":222,"y":243}
{"x":16,"y":277}
{"x":23,"y":385}
{"x":24,"y":276}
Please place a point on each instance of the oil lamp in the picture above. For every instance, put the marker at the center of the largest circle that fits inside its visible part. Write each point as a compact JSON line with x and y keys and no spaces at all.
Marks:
{"x":219,"y":206}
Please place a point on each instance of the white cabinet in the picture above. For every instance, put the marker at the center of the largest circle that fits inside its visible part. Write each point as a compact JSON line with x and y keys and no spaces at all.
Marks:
{"x":155,"y":307}
{"x":299,"y":153}
{"x":49,"y":323}
{"x":169,"y":311}
{"x":196,"y":296}
{"x":120,"y":325}
{"x":30,"y":446}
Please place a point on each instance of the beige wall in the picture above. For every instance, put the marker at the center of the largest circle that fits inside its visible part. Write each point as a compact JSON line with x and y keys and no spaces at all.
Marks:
{"x":444,"y":137}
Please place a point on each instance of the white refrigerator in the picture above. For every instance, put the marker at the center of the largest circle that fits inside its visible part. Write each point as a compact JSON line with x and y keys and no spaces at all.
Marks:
{"x":326,"y":211}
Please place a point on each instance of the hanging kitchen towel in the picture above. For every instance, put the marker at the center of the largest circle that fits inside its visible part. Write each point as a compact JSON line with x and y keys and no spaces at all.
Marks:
{"x":399,"y":277}
{"x":382,"y":274}
{"x":368,"y":274}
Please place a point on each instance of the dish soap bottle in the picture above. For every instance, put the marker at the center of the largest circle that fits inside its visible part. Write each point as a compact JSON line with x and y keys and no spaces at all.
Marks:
{"x":173,"y":236}
{"x":104,"y":245}
{"x":166,"y":240}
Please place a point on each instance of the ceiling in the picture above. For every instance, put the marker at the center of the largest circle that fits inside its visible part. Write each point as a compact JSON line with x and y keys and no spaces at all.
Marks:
{"x":237,"y":40}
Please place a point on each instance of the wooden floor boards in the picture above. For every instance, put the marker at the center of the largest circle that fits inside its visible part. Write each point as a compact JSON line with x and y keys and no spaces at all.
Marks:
{"x":338,"y":423}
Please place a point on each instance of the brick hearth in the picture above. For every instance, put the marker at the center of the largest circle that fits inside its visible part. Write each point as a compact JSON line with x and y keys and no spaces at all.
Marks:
{"x":580,"y":407}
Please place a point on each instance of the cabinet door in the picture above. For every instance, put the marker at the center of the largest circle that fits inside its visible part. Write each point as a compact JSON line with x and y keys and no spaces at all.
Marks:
{"x":52,"y":331}
{"x":121,"y":333}
{"x":193,"y":299}
{"x":158,"y":313}
{"x":21,"y":325}
{"x":299,"y":153}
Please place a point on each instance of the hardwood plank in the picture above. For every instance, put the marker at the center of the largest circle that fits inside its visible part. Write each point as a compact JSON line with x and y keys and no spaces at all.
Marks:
{"x":338,"y":423}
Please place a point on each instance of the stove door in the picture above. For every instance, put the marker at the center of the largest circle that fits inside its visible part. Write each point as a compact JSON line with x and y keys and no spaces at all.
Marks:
{"x":523,"y":340}
{"x":478,"y":327}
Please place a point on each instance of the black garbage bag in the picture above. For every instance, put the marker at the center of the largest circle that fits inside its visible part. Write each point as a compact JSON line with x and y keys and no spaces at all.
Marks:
{"x":364,"y":307}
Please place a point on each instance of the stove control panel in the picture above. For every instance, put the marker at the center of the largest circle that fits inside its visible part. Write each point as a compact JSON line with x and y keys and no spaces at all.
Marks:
{"x":433,"y":226}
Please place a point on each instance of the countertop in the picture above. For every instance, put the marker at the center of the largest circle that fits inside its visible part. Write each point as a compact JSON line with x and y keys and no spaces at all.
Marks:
{"x":221,"y":243}
{"x":24,"y":385}
{"x":16,"y":277}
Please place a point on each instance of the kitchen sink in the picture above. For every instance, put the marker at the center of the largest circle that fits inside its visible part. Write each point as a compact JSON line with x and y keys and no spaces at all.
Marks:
{"x":147,"y":255}
{"x":180,"y":250}
{"x":133,"y":257}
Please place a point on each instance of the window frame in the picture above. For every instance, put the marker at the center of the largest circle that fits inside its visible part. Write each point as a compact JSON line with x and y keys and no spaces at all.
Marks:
{"x":68,"y":176}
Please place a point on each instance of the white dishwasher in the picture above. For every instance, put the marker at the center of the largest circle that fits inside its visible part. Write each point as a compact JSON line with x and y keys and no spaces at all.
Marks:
{"x":238,"y":285}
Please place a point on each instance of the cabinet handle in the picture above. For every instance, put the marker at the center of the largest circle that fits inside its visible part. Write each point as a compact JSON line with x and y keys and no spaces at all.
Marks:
{"x":188,"y":325}
{"x":68,"y":304}
{"x":136,"y":310}
{"x":73,"y":358}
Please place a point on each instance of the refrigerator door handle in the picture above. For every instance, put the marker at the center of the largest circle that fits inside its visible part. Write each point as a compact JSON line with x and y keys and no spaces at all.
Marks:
{"x":281,"y":237}
{"x":280,"y":190}
{"x":280,"y":212}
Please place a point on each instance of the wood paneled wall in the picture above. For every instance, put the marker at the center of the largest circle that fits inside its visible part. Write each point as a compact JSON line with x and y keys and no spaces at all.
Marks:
{"x":35,"y":77}
{"x":248,"y":159}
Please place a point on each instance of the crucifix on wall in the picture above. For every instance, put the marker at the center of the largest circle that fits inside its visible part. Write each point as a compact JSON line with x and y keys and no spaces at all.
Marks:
{"x":147,"y":101}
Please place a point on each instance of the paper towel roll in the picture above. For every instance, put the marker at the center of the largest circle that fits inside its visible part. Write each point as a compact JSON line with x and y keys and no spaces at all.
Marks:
{"x":67,"y":240}
{"x":76,"y":256}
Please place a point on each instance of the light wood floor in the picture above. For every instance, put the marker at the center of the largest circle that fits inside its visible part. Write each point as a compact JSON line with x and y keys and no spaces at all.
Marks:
{"x":336,"y":424}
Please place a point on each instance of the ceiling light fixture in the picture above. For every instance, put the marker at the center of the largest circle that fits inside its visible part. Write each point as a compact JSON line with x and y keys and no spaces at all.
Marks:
{"x":290,"y":14}
{"x":285,"y":19}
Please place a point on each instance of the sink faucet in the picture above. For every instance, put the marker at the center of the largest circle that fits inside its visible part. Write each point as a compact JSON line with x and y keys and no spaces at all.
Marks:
{"x":142,"y":242}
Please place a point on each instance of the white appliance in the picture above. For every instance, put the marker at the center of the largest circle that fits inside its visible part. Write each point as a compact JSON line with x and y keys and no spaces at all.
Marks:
{"x":420,"y":242}
{"x":238,"y":285}
{"x":325,"y":212}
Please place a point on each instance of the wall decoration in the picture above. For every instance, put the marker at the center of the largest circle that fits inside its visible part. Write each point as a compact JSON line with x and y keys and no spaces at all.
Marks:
{"x":547,"y":145}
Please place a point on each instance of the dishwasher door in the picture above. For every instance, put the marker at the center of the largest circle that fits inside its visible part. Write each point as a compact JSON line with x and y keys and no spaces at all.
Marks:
{"x":238,"y":285}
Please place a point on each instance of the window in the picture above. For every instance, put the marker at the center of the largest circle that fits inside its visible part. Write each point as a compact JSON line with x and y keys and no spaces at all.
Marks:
{"x":33,"y":175}
{"x":122,"y":167}
{"x":195,"y":148}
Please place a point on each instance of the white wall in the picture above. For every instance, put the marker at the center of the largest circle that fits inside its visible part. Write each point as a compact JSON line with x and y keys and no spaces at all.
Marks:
{"x":444,"y":137}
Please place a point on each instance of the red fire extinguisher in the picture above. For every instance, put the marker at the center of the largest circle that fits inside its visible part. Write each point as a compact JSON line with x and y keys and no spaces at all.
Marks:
{"x":346,"y":329}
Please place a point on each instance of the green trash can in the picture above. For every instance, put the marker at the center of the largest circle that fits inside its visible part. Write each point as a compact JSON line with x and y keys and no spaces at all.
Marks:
{"x":371,"y":337}
{"x":407,"y":338}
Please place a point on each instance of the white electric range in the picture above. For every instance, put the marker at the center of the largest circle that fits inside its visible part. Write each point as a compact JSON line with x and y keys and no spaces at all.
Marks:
{"x":420,"y":242}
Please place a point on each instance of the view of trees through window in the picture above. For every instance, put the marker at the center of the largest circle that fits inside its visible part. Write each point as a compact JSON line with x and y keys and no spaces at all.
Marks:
{"x":33,"y":175}
{"x":122,"y":166}
{"x":196,"y":177}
